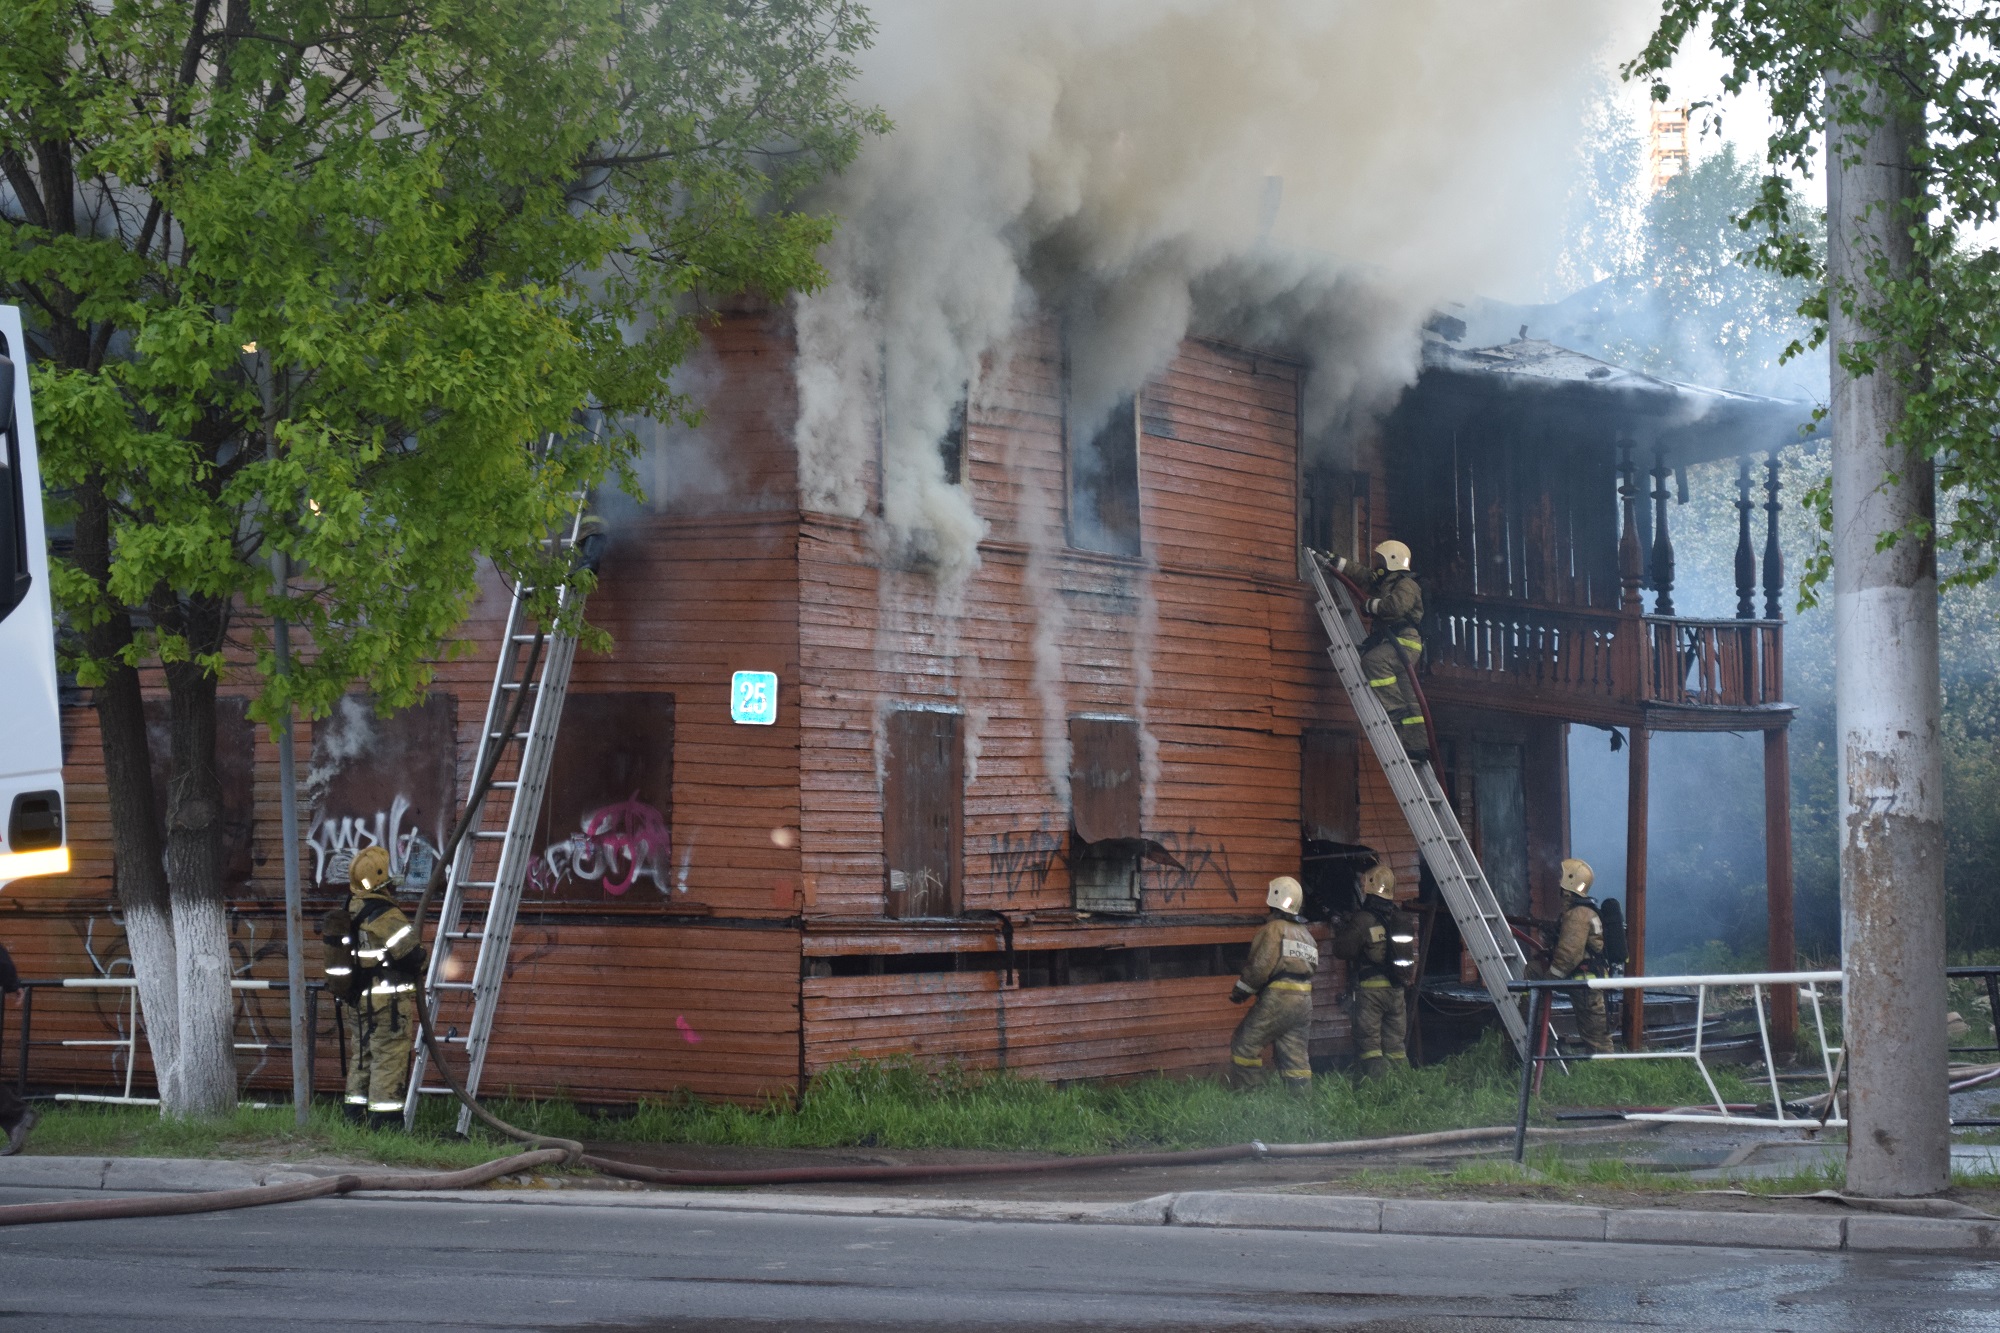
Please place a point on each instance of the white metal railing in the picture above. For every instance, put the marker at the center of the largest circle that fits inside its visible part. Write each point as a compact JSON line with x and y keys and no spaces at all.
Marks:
{"x":1756,"y":983}
{"x":130,"y":1041}
{"x":1808,"y":984}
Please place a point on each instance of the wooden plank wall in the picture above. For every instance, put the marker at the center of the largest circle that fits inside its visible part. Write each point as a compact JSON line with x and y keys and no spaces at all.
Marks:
{"x":1207,"y":638}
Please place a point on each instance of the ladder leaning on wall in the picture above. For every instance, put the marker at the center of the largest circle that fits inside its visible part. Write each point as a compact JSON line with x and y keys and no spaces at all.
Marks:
{"x":477,"y":915}
{"x":1481,"y":923}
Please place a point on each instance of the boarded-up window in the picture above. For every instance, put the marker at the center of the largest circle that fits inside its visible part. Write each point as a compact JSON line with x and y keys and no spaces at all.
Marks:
{"x":608,"y":812}
{"x":234,"y":746}
{"x":387,"y":781}
{"x":1103,"y":476}
{"x":1329,"y":788}
{"x":1107,"y":842}
{"x":1500,"y":800}
{"x":923,"y":804}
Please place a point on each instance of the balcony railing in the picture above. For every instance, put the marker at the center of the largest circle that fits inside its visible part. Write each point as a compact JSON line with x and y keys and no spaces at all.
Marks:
{"x":1566,"y":651}
{"x":1587,"y":655}
{"x":1719,"y":663}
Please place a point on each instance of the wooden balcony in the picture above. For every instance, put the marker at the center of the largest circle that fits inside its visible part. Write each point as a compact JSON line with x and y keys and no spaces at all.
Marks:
{"x":1611,"y":668}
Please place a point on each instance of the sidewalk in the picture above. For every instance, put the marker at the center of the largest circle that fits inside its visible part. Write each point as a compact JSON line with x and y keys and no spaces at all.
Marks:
{"x":1805,"y":1225}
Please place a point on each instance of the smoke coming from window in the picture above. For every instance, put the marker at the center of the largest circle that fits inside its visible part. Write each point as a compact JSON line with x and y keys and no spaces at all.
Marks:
{"x":1322,"y":173}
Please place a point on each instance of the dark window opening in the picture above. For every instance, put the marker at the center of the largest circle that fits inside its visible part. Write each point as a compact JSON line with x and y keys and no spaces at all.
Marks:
{"x":923,"y":789}
{"x":1331,"y":853}
{"x":1500,"y":807}
{"x":14,"y":576}
{"x":1106,"y":841}
{"x":1103,"y":477}
{"x":1334,"y":515}
{"x":1041,"y":968}
{"x":951,"y":445}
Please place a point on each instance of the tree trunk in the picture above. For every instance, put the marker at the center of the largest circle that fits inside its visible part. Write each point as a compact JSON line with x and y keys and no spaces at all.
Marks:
{"x":207,"y":1083}
{"x":1886,"y":689}
{"x":139,"y":879}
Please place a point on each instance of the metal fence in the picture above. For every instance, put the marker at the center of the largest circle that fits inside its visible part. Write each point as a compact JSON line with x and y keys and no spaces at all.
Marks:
{"x":1541,"y":994}
{"x":124,"y":1049}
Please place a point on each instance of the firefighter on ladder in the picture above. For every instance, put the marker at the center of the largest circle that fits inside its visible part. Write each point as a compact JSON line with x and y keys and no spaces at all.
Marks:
{"x":1389,"y":656}
{"x":1379,"y":943}
{"x":372,"y":963}
{"x":1283,"y":957}
{"x":1579,"y":954}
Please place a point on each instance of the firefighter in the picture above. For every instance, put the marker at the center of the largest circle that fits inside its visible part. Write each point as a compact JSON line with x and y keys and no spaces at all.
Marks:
{"x":1579,"y":953}
{"x":380,"y":948}
{"x":1390,"y":653}
{"x":1283,"y":957}
{"x":1380,"y":944}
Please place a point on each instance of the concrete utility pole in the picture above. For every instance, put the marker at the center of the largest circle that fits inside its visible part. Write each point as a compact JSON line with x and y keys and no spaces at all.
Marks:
{"x":1885,"y":646}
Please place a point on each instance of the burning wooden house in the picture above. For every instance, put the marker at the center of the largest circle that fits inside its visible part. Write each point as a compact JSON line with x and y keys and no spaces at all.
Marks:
{"x":1021,"y":819}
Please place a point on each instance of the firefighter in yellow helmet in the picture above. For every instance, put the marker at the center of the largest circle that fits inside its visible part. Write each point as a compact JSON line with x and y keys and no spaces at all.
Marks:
{"x":1389,"y":654}
{"x":372,"y":963}
{"x":1379,"y":943}
{"x":1283,"y":957}
{"x":1579,"y":953}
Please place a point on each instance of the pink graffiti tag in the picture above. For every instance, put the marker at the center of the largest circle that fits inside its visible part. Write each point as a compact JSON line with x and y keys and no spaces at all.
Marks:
{"x":616,"y":846}
{"x":688,"y":1034}
{"x":631,"y":829}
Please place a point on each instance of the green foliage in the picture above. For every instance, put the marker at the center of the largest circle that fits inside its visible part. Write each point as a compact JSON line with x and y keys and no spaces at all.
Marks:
{"x":1720,"y":320}
{"x":916,"y":1105}
{"x":1937,"y":328}
{"x":913,"y":1104}
{"x":315,"y":276}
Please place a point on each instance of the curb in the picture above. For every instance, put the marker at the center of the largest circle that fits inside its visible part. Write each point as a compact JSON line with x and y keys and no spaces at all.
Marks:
{"x":1856,"y":1231}
{"x":1331,"y":1213}
{"x":148,"y":1175}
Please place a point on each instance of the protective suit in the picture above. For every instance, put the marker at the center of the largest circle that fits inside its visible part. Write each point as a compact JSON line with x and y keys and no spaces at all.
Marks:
{"x":382,"y":1018}
{"x":1395,"y":643}
{"x":1379,"y":944}
{"x":1283,"y":957}
{"x":1579,"y":953}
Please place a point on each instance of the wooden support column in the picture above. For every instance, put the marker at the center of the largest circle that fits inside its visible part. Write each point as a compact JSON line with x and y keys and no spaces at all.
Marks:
{"x":1639,"y":744}
{"x":1781,"y":955}
{"x":1746,"y":554}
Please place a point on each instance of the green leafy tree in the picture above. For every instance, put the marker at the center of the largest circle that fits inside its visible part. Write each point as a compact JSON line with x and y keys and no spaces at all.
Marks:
{"x":318,"y":277}
{"x":1937,"y":326}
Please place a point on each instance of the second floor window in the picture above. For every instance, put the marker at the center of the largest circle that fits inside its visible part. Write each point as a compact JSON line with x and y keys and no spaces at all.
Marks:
{"x":1102,"y":473}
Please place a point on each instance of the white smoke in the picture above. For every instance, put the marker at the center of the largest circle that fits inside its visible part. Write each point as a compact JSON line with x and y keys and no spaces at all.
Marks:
{"x":1114,"y":157}
{"x":348,"y":733}
{"x":1316,"y":175}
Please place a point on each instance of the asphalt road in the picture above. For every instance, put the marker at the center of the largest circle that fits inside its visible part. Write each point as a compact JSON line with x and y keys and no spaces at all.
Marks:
{"x":365,"y":1263}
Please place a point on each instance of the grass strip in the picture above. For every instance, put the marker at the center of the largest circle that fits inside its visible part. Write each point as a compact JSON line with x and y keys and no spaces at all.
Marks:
{"x":911,"y":1104}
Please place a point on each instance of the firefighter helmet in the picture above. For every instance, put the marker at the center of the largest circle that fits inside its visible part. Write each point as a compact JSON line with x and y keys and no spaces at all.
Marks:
{"x":1577,"y":876}
{"x":1379,"y":882}
{"x":1285,"y":895}
{"x":369,"y":870}
{"x":1394,"y":555}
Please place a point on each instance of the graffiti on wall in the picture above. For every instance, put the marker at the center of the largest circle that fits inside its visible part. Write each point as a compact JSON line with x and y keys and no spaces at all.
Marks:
{"x":387,"y":782}
{"x":1023,"y":860}
{"x":607,"y":817}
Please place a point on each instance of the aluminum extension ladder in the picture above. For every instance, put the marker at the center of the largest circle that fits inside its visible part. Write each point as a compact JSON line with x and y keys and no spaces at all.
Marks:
{"x":1481,"y":923}
{"x":507,"y":815}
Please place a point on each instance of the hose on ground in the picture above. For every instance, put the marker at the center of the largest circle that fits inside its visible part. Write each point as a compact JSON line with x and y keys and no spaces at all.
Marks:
{"x":216,"y":1201}
{"x":1235,"y":1152}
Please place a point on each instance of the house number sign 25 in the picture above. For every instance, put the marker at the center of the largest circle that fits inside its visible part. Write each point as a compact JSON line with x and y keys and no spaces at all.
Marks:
{"x":753,"y":698}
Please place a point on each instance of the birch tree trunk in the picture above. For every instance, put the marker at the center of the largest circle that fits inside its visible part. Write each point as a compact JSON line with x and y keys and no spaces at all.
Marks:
{"x":1886,"y":688}
{"x":139,"y":878}
{"x":207,"y":1082}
